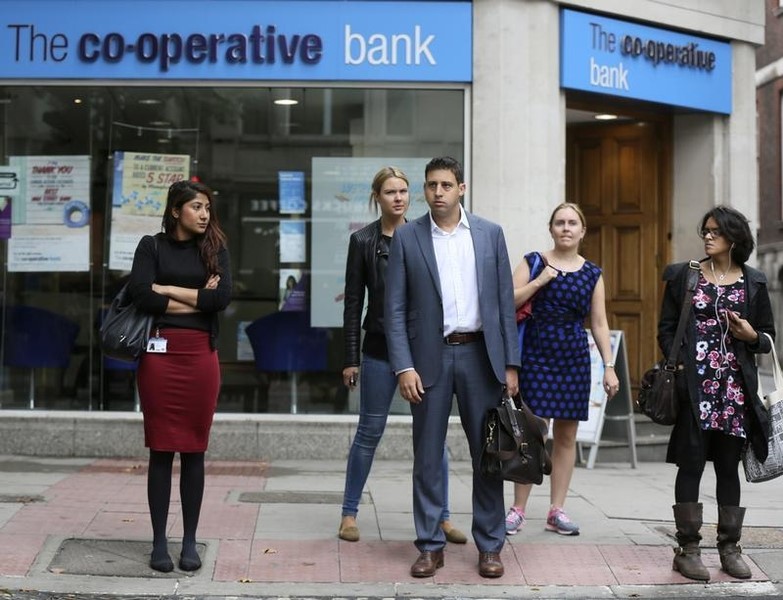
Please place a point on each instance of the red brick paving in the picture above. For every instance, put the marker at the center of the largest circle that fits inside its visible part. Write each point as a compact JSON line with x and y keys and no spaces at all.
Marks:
{"x":108,"y":500}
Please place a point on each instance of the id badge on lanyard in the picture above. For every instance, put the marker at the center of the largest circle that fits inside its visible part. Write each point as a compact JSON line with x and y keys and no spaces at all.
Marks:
{"x":157,"y":344}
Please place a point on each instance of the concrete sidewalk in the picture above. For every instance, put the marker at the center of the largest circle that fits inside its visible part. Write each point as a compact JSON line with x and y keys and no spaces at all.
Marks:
{"x":81,"y":526}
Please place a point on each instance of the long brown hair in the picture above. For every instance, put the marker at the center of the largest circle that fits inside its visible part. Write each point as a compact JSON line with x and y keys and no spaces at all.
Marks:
{"x":213,"y":239}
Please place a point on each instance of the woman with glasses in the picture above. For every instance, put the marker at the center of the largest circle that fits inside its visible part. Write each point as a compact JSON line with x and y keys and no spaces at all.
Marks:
{"x":730,"y":312}
{"x":368,"y":253}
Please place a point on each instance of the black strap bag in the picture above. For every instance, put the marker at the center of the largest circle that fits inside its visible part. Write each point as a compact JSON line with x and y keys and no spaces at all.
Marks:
{"x":513,"y":448}
{"x":125,"y":329}
{"x":658,"y":389}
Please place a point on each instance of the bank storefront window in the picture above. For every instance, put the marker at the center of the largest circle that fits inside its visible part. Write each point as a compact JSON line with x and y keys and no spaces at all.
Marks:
{"x":83,"y":173}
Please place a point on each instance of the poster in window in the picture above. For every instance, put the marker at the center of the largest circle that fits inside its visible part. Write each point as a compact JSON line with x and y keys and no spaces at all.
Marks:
{"x":292,"y":241}
{"x":244,"y":349}
{"x":293,"y":290}
{"x":9,"y":187}
{"x":291,"y":188}
{"x":51,"y":214}
{"x":141,"y":184}
{"x":342,"y":205}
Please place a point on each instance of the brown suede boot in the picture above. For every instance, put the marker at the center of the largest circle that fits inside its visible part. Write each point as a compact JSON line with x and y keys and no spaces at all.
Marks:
{"x":687,"y":558}
{"x":729,"y":533}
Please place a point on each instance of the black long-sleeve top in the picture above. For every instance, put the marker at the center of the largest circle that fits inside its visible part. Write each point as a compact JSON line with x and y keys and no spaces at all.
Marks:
{"x":173,"y":262}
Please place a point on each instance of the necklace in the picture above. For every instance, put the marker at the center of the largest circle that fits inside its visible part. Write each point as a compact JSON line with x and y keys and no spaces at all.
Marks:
{"x":571,"y":262}
{"x":719,"y":279}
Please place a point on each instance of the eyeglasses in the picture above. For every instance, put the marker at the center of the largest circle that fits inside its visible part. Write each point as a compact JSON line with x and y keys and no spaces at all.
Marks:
{"x":715,"y":233}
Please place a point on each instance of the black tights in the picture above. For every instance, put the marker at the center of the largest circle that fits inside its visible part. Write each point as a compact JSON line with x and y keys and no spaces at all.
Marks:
{"x":191,"y":492}
{"x":726,"y":451}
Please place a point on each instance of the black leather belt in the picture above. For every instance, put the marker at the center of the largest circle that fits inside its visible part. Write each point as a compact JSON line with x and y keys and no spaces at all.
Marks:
{"x":455,"y":339}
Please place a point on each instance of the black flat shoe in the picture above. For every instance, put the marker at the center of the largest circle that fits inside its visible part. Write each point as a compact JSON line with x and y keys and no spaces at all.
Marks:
{"x":188,"y":563}
{"x":164,"y":564}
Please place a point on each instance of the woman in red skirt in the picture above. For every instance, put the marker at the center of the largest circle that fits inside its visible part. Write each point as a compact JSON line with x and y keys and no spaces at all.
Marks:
{"x":183,"y":277}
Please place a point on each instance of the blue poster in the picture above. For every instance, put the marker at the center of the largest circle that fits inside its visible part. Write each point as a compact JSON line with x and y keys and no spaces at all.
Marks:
{"x":291,"y":188}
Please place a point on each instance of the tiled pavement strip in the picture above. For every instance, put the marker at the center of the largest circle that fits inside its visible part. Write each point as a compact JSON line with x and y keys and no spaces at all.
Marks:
{"x":71,"y":526}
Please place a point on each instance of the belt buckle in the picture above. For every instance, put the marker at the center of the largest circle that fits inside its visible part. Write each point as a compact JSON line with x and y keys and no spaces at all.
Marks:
{"x":451,"y":343}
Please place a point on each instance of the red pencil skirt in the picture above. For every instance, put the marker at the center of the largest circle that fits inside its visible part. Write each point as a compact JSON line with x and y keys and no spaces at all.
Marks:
{"x":178,"y":390}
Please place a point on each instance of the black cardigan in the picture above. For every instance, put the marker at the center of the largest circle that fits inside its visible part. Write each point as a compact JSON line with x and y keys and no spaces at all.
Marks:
{"x":685,"y":444}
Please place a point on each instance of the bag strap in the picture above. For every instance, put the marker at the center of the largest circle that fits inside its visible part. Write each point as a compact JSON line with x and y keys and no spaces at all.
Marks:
{"x":508,"y":404}
{"x":777,"y":374}
{"x":538,"y":261}
{"x":693,"y":280}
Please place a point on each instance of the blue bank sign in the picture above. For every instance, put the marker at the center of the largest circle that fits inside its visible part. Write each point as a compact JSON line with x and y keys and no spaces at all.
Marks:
{"x":610,"y":56}
{"x":236,"y":40}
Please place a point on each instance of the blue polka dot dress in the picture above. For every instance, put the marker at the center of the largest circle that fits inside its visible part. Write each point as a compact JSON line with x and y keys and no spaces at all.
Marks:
{"x":555,"y":374}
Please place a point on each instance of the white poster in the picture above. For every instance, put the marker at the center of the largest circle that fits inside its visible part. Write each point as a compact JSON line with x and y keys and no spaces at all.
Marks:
{"x":341,"y":205}
{"x":590,"y":430}
{"x":141,"y":184}
{"x":51,"y":215}
{"x":293,"y":246}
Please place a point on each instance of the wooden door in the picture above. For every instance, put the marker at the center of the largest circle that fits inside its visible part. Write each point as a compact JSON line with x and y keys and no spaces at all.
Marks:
{"x":618,"y":174}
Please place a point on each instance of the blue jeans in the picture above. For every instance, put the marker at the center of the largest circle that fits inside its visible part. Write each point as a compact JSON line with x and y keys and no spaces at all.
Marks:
{"x":378,"y":383}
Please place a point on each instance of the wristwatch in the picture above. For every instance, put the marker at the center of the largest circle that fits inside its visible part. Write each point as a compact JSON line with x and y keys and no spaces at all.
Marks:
{"x":609,"y":365}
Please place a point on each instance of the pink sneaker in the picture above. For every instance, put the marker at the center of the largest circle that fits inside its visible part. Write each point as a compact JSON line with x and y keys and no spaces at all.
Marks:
{"x":559,"y":522}
{"x":515,"y":520}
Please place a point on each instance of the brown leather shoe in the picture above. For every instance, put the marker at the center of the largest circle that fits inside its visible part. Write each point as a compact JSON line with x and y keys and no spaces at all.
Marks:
{"x":490,"y":564}
{"x":428,"y":562}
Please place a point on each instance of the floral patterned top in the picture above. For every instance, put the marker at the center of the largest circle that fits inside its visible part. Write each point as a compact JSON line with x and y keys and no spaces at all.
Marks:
{"x":721,"y":387}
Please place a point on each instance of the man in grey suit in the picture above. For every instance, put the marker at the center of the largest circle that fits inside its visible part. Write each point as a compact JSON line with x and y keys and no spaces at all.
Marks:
{"x":451,"y":330}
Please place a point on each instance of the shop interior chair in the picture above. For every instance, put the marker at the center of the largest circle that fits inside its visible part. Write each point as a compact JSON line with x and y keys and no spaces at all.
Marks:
{"x":112,"y":364}
{"x":285,"y":342}
{"x":37,"y":338}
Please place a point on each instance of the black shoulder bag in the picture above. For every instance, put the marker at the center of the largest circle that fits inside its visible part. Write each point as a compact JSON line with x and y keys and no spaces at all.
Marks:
{"x":658,"y":389}
{"x":125,"y":329}
{"x":513,"y":447}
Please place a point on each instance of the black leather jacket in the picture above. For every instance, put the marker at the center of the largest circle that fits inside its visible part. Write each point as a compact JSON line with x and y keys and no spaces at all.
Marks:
{"x":365,"y":269}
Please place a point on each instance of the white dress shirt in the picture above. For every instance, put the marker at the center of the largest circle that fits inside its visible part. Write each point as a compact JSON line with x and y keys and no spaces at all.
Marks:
{"x":456,"y":260}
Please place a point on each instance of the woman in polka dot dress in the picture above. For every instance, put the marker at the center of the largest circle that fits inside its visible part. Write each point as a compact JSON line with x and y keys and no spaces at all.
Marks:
{"x":555,"y":374}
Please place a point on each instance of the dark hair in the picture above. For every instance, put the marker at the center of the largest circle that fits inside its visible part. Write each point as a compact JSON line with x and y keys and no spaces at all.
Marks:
{"x":213,"y":239}
{"x":734,"y":227}
{"x":445,"y":163}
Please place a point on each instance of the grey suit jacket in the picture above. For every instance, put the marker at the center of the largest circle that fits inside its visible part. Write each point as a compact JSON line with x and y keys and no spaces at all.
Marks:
{"x":413,"y":302}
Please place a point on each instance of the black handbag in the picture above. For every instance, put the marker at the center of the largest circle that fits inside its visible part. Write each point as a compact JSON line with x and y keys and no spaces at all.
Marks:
{"x":125,"y":329}
{"x":513,"y":448}
{"x":658,"y":388}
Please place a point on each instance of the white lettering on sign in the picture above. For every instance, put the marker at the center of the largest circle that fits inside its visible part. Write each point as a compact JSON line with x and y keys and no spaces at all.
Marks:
{"x":608,"y":77}
{"x":394,"y":49}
